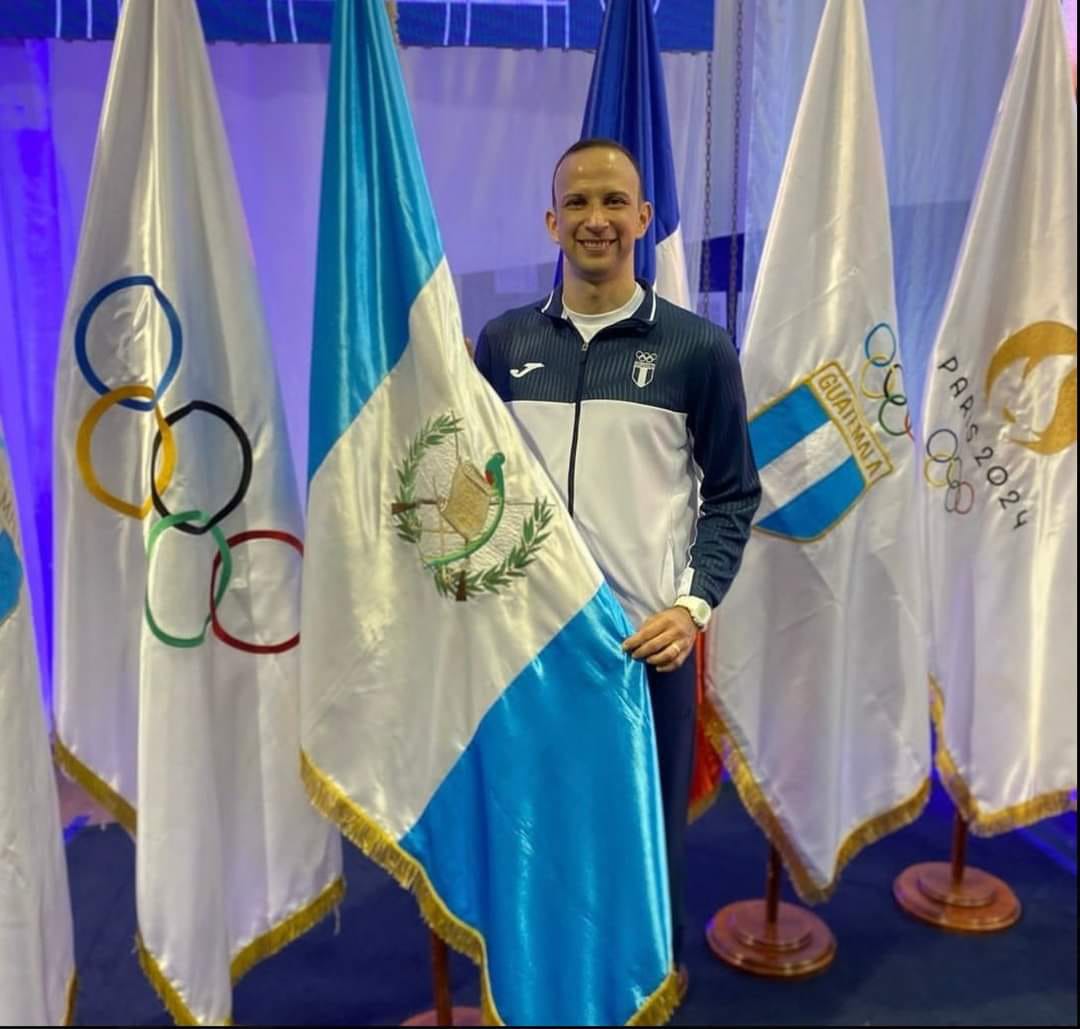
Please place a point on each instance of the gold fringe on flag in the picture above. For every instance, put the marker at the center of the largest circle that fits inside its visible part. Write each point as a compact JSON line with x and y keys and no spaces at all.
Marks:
{"x":95,"y":786}
{"x":709,"y":726}
{"x":809,"y":889}
{"x":72,"y":990}
{"x":981,"y":822}
{"x":262,"y":947}
{"x":332,"y":801}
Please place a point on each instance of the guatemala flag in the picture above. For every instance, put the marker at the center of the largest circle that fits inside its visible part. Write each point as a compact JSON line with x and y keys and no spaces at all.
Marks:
{"x":468,"y":716}
{"x":627,"y":103}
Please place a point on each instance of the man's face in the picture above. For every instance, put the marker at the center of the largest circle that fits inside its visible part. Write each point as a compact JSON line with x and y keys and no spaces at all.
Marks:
{"x":599,"y":214}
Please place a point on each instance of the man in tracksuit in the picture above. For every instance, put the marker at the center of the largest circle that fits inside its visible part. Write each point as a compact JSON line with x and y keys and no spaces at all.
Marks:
{"x":636,"y":409}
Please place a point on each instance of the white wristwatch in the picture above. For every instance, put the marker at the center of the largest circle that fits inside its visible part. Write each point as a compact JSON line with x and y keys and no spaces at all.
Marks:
{"x":697,"y":608}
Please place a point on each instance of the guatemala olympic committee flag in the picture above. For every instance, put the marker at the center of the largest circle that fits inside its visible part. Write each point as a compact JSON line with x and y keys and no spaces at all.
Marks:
{"x":178,"y":538}
{"x":999,"y":461}
{"x":37,"y":964}
{"x":817,"y":660}
{"x":469,"y":718}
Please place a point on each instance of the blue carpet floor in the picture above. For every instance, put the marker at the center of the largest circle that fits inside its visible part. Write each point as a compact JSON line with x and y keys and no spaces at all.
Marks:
{"x":371,"y":968}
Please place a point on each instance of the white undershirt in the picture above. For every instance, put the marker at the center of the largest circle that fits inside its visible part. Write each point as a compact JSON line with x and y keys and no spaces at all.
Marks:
{"x":590,"y":324}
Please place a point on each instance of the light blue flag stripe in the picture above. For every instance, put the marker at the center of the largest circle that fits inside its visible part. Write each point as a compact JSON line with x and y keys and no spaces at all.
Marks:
{"x":378,"y":240}
{"x":11,"y":576}
{"x":500,"y":837}
{"x":781,"y":426}
{"x":627,"y":103}
{"x":819,"y":506}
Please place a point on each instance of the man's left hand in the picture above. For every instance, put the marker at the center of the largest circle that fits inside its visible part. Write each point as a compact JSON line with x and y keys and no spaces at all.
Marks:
{"x":665,"y":640}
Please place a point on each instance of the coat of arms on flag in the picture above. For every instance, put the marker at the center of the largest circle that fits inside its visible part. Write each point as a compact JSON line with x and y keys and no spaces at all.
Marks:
{"x":461,"y":515}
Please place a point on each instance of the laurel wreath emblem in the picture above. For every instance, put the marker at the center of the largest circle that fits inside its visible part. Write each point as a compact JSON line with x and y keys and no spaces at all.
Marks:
{"x":452,"y":576}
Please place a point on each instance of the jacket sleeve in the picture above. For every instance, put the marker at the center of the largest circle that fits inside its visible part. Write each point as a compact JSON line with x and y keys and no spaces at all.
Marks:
{"x":482,"y":354}
{"x":729,"y":488}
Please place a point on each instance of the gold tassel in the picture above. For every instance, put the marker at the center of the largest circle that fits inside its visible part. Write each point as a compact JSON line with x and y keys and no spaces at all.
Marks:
{"x":981,"y":822}
{"x":262,"y":947}
{"x":753,"y":798}
{"x":661,"y":1005}
{"x":329,"y":798}
{"x":169,"y":994}
{"x":251,"y":954}
{"x":710,"y":723}
{"x":703,"y":804}
{"x":98,"y":788}
{"x":291,"y":928}
{"x":392,"y":14}
{"x":72,"y":990}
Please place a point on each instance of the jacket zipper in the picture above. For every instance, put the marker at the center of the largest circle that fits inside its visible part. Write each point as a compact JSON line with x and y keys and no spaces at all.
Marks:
{"x":577,"y":426}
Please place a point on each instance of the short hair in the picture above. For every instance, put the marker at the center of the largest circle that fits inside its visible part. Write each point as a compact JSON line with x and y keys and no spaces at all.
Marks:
{"x":597,"y":143}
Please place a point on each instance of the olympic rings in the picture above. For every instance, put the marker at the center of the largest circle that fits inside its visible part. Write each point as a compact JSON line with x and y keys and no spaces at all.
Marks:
{"x":880,"y":360}
{"x":942,"y":458}
{"x":223,"y":554}
{"x":175,"y":331}
{"x":193,"y":522}
{"x":245,"y":475}
{"x":219,"y":630}
{"x":956,"y":492}
{"x":959,"y":493}
{"x":954,"y":470}
{"x":890,"y":397}
{"x":894,"y":400}
{"x":85,"y":463}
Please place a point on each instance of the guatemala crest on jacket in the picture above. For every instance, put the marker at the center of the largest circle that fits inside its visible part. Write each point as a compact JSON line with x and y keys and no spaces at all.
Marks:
{"x":644,"y":368}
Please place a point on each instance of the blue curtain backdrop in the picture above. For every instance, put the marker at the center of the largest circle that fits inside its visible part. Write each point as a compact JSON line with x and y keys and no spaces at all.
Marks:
{"x":566,"y":24}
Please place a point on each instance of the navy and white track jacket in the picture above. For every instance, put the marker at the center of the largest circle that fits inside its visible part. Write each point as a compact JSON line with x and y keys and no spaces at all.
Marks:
{"x":643,"y":431}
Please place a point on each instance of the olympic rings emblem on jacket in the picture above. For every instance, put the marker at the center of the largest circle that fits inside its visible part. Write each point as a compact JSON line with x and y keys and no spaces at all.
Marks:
{"x":162,"y":467}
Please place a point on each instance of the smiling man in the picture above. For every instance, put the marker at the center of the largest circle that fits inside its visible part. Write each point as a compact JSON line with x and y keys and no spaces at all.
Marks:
{"x":635,"y":407}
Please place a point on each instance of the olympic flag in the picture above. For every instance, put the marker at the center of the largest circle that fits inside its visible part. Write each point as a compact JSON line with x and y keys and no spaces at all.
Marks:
{"x":817,"y":661}
{"x":178,"y":545}
{"x":999,"y":461}
{"x":37,"y":966}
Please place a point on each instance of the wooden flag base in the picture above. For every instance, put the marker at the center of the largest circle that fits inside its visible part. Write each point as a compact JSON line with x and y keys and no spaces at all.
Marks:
{"x":444,"y":1013}
{"x":955,"y":897}
{"x":770,"y":938}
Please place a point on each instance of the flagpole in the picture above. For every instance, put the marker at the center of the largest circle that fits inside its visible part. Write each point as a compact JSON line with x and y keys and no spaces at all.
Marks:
{"x":444,"y":1012}
{"x":953,"y":896}
{"x":769,"y":937}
